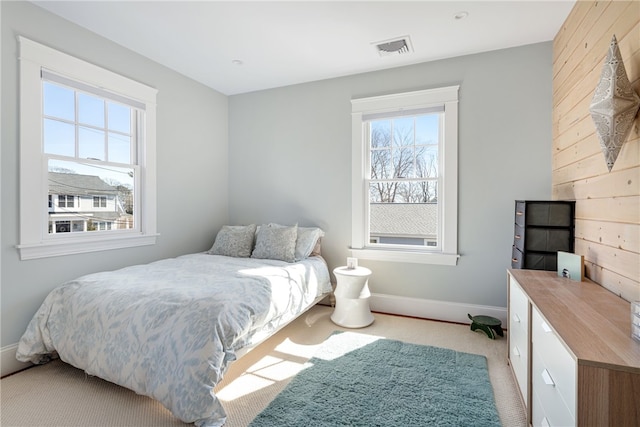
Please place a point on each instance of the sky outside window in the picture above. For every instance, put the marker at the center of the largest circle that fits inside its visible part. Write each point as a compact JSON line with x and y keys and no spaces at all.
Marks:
{"x":84,"y":127}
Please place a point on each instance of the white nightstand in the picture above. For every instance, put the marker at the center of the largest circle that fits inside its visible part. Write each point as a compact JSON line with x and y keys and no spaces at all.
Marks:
{"x":352,"y":298}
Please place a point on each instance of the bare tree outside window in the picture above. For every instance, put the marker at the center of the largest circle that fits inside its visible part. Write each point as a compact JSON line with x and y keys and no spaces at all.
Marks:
{"x":404,"y":167}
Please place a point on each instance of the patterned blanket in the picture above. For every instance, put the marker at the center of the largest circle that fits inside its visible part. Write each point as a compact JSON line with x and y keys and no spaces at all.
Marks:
{"x":169,"y":329}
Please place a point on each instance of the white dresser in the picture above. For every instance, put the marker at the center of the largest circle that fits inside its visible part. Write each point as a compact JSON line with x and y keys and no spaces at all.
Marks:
{"x":518,"y":336}
{"x":571,"y":352}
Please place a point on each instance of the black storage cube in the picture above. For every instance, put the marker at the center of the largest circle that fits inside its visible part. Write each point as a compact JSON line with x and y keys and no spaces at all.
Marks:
{"x":541,"y":229}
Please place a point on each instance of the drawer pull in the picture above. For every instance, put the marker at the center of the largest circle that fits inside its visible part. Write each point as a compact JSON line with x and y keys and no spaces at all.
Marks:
{"x":517,"y":236}
{"x":545,"y":327}
{"x":545,"y":422}
{"x":514,"y":259}
{"x":516,"y":352}
{"x":547,"y":378}
{"x":518,"y":213}
{"x":516,"y":318}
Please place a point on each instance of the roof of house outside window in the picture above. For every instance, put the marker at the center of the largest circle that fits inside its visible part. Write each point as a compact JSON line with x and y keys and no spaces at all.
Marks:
{"x":79,"y":185}
{"x":96,"y":216}
{"x":403,"y":219}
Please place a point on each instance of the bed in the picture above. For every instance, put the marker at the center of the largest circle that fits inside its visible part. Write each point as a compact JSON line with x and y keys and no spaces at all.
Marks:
{"x":169,"y":329}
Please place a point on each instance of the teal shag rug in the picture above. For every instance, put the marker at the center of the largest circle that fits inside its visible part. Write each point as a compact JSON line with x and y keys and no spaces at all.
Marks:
{"x":362,"y":380}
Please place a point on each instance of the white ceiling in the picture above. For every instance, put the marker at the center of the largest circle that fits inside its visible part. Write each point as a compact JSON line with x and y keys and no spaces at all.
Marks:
{"x":289,"y":42}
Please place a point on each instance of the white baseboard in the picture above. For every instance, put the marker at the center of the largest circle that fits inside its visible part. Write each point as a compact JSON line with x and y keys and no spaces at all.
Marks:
{"x":8,"y":362}
{"x":433,"y":309}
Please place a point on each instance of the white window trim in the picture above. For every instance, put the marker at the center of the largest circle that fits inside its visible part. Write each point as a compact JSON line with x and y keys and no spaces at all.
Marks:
{"x":33,"y":198}
{"x":360,"y":247}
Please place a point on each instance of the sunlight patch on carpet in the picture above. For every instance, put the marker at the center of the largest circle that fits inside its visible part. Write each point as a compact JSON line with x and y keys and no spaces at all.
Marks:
{"x":262,"y":374}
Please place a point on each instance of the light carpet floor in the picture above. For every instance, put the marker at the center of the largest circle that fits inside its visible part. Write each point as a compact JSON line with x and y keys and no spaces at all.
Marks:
{"x":56,"y":394}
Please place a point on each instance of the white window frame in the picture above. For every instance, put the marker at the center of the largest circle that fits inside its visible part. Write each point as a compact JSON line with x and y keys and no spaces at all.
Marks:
{"x":34,"y":57}
{"x":447,"y":253}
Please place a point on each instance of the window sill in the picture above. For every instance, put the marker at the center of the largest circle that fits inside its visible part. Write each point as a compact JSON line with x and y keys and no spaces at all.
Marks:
{"x":434,"y":258}
{"x":66,"y":247}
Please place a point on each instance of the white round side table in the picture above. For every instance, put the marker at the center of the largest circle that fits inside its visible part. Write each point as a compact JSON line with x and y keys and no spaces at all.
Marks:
{"x":352,"y":297}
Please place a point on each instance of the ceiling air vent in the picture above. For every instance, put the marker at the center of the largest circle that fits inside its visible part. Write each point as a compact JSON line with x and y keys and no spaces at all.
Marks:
{"x":397,"y":46}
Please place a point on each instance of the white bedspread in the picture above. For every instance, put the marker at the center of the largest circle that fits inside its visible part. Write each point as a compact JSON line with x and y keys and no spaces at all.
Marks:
{"x":169,"y":329}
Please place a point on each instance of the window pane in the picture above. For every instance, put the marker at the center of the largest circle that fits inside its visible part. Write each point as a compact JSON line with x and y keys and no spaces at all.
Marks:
{"x":427,"y":161}
{"x":119,"y":148}
{"x":426,"y":192}
{"x":91,"y":144}
{"x":381,"y":166}
{"x":403,"y":223}
{"x":63,"y":226}
{"x":403,"y":132}
{"x":119,"y":117}
{"x":380,"y":131}
{"x":59,"y":138}
{"x":382,"y":192}
{"x":403,"y":162}
{"x":86,"y":187}
{"x":90,"y":110}
{"x":427,"y":129}
{"x":58,"y":101}
{"x":403,"y":192}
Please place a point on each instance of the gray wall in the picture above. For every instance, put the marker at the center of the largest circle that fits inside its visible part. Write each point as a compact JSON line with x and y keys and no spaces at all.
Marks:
{"x":191,"y":151}
{"x":290,"y":161}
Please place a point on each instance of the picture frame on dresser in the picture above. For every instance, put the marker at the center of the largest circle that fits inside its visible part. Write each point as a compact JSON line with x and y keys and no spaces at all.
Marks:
{"x":571,"y":266}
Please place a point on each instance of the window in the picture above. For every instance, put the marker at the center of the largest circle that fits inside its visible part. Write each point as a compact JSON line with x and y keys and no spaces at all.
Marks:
{"x":404,"y":182}
{"x":65,"y":201}
{"x":87,"y":147}
{"x":99,"y":201}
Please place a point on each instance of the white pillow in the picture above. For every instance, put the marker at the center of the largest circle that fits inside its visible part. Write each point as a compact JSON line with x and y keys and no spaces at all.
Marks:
{"x":307,"y":240}
{"x":234,"y":240}
{"x":276,"y":242}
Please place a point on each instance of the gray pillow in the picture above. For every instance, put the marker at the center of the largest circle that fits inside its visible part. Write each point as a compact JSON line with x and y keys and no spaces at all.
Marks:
{"x":306,"y":242}
{"x":276,"y":243}
{"x":234,"y":240}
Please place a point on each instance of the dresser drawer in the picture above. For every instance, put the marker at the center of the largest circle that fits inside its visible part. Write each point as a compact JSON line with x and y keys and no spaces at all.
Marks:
{"x":547,"y":239}
{"x":517,"y":258}
{"x":518,"y":311}
{"x":518,"y":335}
{"x":548,"y":405}
{"x":555,"y":416}
{"x":553,"y":368}
{"x":549,"y":214}
{"x":521,"y":208}
{"x":540,"y":261}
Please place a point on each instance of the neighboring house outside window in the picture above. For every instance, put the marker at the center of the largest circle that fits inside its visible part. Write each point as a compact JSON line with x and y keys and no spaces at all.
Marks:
{"x":92,"y":213}
{"x":403,"y":223}
{"x":93,"y":133}
{"x":404,"y":177}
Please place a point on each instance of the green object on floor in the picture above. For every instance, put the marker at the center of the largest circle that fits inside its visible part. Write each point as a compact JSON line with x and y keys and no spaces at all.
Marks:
{"x":487,"y":324}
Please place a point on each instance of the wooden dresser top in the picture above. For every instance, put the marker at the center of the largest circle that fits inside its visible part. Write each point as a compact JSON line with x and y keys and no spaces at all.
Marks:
{"x":594,"y":323}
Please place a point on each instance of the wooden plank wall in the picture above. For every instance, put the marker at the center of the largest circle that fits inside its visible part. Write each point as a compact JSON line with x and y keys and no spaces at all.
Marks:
{"x":607,"y":203}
